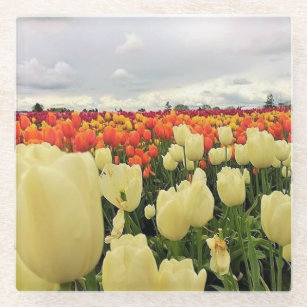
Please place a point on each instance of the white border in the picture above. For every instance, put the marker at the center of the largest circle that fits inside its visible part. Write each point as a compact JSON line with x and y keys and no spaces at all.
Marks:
{"x":297,"y":10}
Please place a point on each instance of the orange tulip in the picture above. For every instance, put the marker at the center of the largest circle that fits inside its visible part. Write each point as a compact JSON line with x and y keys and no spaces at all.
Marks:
{"x":129,"y":151}
{"x":134,"y":138}
{"x":51,"y":119}
{"x":108,"y":135}
{"x":49,"y":135}
{"x":153,"y":150}
{"x":24,"y":122}
{"x":76,"y":120}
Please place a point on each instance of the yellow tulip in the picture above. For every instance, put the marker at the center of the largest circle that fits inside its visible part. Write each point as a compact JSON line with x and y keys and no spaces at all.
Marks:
{"x":171,"y":217}
{"x":180,"y":276}
{"x":168,"y":162}
{"x":231,"y":186}
{"x":276,"y":217}
{"x":26,"y":280}
{"x":176,"y":152}
{"x":220,"y":258}
{"x":149,"y":211}
{"x":130,"y":265}
{"x":225,"y":135}
{"x":194,"y":147}
{"x":282,"y":150}
{"x":59,"y":217}
{"x":260,"y":147}
{"x":241,"y":154}
{"x":181,"y":133}
{"x":102,"y":157}
{"x":122,"y":185}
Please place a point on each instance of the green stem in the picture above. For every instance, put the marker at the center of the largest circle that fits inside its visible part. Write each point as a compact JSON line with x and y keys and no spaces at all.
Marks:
{"x":66,"y":286}
{"x":127,"y":223}
{"x":199,"y":248}
{"x":90,"y":281}
{"x":175,"y":248}
{"x":257,"y":183}
{"x":272,"y":268}
{"x":225,"y":155}
{"x":236,"y":213}
{"x":279,"y":269}
{"x":263,"y":181}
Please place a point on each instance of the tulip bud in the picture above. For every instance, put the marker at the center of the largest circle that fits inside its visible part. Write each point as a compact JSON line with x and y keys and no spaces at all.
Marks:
{"x":102,"y":157}
{"x":130,"y":265}
{"x":216,"y":156}
{"x":276,"y":163}
{"x":241,"y":154}
{"x":220,"y":260}
{"x":287,"y":162}
{"x":176,"y":152}
{"x":282,"y":150}
{"x":260,"y":147}
{"x":276,"y":217}
{"x":180,"y":134}
{"x":188,"y":164}
{"x":246,"y":176}
{"x":225,"y":135}
{"x":194,"y":146}
{"x":171,"y":216}
{"x":180,"y":276}
{"x":286,"y":252}
{"x":65,"y":195}
{"x":199,"y":203}
{"x":168,"y":162}
{"x":286,"y":171}
{"x":149,"y":211}
{"x":231,"y":186}
{"x":122,"y":185}
{"x":26,"y":280}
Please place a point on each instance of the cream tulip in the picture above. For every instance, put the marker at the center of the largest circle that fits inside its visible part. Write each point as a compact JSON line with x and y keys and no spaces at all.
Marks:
{"x":102,"y":157}
{"x":199,"y":203}
{"x":176,"y":152}
{"x":276,"y":163}
{"x":149,"y":211}
{"x":59,"y":215}
{"x":276,"y":217}
{"x":286,"y":171}
{"x":225,"y":135}
{"x":287,"y":162}
{"x":168,"y":162}
{"x":194,"y":147}
{"x":241,"y":154}
{"x":130,"y":265}
{"x":26,"y":280}
{"x":282,"y":150}
{"x":180,"y":134}
{"x":188,"y":164}
{"x":260,"y":147}
{"x":286,"y":252}
{"x":171,"y":216}
{"x":217,"y":156}
{"x":220,"y":258}
{"x":122,"y":185}
{"x":180,"y":276}
{"x":231,"y":186}
{"x":246,"y":176}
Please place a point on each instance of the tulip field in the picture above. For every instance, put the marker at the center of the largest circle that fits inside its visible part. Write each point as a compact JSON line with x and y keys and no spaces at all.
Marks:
{"x":196,"y":200}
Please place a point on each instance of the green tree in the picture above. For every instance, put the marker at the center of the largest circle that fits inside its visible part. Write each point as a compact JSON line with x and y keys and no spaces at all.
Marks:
{"x":269,"y":101}
{"x":38,"y":107}
{"x":141,"y":110}
{"x":181,"y":107}
{"x":167,"y":106}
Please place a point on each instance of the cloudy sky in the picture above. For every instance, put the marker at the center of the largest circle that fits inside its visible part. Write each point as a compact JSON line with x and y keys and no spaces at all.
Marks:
{"x":130,"y":63}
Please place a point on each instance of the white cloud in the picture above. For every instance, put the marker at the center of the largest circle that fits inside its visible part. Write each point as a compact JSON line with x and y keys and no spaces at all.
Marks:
{"x":32,"y":73}
{"x":70,"y":102}
{"x":220,"y":92}
{"x":132,"y":42}
{"x":121,"y":73}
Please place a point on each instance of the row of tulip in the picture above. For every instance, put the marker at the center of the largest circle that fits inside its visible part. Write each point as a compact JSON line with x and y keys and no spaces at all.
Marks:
{"x":173,"y":211}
